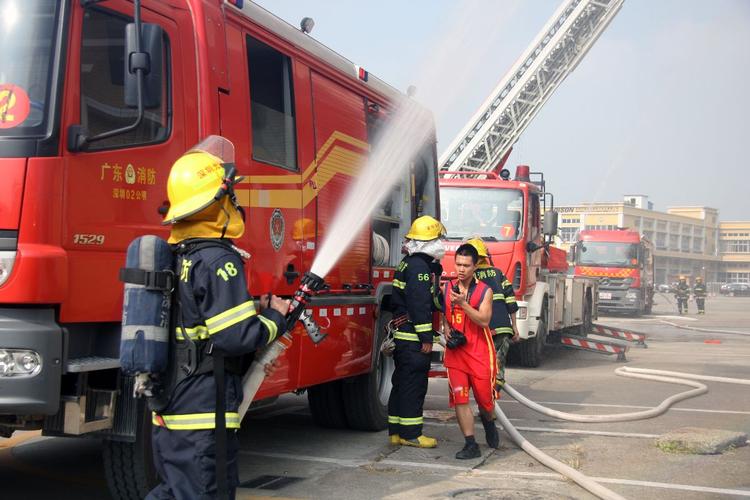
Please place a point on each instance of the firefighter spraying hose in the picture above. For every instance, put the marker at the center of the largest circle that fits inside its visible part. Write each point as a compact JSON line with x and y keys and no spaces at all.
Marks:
{"x":311,"y":283}
{"x":582,"y":480}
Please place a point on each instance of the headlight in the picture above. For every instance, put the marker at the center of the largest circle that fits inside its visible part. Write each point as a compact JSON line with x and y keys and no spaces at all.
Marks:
{"x":19,"y":363}
{"x":522,"y":313}
{"x":7,"y":259}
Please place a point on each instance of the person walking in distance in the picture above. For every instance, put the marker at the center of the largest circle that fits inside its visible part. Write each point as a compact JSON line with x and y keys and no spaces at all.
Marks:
{"x":415,"y":298}
{"x":699,"y":292}
{"x":682,"y":293}
{"x":470,"y":354}
{"x":504,"y":307}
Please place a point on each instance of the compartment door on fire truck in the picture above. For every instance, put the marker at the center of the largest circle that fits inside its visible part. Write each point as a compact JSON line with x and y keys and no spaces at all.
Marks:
{"x":341,"y":150}
{"x":115,"y":186}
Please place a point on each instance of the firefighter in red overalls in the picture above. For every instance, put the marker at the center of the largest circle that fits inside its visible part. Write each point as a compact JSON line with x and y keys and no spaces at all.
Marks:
{"x":470,"y":357}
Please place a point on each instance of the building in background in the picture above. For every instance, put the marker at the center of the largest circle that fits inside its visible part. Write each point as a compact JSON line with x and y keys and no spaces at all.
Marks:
{"x":688,"y":241}
{"x":734,"y":248}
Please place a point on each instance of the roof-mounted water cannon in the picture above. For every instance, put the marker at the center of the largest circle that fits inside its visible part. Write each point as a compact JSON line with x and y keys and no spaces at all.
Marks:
{"x":522,"y":173}
{"x":306,"y":25}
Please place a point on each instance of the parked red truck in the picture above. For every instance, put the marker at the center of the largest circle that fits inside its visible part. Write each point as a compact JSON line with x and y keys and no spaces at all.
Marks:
{"x":624,"y":263}
{"x":84,"y":161}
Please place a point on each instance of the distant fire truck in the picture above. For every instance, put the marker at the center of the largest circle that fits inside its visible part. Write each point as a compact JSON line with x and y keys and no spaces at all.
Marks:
{"x":93,"y":111}
{"x":624,"y":263}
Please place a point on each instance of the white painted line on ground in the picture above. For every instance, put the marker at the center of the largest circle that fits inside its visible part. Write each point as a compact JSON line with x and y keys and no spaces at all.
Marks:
{"x":601,"y":405}
{"x":707,"y":330}
{"x":309,"y":458}
{"x":560,"y":430}
{"x":673,"y":486}
{"x":353,"y":463}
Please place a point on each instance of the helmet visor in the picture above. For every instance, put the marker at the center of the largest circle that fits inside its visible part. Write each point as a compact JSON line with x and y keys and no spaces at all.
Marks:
{"x":217,"y":146}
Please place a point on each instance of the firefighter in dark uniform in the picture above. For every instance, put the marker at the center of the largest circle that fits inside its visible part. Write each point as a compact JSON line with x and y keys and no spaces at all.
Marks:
{"x":504,"y":307}
{"x":699,"y":292}
{"x":216,"y":322}
{"x":682,"y":294}
{"x":415,"y":297}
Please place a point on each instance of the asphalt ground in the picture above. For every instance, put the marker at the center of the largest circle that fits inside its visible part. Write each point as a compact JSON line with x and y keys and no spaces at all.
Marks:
{"x":284,"y":455}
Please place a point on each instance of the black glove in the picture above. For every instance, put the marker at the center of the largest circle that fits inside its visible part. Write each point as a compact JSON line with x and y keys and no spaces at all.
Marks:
{"x":457,"y":339}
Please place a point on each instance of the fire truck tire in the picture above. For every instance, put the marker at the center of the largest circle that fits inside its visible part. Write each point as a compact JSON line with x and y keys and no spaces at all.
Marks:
{"x":327,"y":405}
{"x":129,"y":467}
{"x":366,"y":396}
{"x":531,"y":351}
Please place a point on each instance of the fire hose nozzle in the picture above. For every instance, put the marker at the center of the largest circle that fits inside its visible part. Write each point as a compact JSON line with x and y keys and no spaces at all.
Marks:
{"x":309,"y":285}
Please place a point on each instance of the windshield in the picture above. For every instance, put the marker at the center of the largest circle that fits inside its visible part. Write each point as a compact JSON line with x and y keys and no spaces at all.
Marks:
{"x":596,"y":253}
{"x":27,"y":34}
{"x":493,"y":214}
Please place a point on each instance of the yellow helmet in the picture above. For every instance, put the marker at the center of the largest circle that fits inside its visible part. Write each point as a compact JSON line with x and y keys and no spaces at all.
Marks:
{"x":699,"y":278}
{"x":426,"y":228}
{"x":197,"y":178}
{"x":479,"y":245}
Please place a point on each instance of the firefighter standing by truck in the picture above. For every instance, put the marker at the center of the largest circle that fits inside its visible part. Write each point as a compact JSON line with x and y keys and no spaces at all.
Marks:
{"x":682,"y":294}
{"x":699,"y":292}
{"x":504,"y":307}
{"x":415,"y":298}
{"x":217,"y":322}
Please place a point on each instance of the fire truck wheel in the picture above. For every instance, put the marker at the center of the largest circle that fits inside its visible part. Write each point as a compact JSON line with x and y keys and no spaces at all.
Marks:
{"x":366,"y":396}
{"x":531,"y":351}
{"x":327,"y":404}
{"x":129,"y":467}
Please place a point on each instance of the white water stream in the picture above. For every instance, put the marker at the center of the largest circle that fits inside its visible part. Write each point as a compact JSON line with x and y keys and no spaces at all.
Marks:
{"x":463,"y":46}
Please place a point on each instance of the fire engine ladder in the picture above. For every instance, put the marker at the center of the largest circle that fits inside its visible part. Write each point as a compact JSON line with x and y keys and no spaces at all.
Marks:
{"x":488,"y":137}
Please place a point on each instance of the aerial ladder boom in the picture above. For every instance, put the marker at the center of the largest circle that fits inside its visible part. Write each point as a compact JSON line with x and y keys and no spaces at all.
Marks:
{"x":489,"y":136}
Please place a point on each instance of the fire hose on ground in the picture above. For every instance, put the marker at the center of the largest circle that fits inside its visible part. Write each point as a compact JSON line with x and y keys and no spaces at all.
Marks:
{"x":581,"y":479}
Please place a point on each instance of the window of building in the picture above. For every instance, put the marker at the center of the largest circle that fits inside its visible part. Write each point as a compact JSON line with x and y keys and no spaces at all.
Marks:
{"x":568,"y":234}
{"x":274,"y":132}
{"x":601,"y":227}
{"x":103,"y":85}
{"x":674,"y":242}
{"x":735,"y":246}
{"x":697,"y":245}
{"x":661,"y":241}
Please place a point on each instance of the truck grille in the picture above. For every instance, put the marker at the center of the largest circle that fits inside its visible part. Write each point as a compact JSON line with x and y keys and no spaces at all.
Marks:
{"x":609,"y":283}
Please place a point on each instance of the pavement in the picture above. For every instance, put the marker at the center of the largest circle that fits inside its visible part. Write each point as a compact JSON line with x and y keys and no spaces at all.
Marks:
{"x":284,"y":455}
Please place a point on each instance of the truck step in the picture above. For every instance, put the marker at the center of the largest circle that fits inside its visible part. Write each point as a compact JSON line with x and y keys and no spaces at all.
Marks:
{"x":637,"y":339}
{"x":91,"y":363}
{"x":599,"y":346}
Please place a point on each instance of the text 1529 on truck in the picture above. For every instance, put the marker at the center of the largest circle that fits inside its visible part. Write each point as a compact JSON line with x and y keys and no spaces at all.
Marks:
{"x":507,"y":214}
{"x":92,"y":122}
{"x":624,"y":263}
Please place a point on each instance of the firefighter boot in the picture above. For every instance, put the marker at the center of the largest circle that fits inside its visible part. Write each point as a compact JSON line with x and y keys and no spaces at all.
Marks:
{"x":394,"y":439}
{"x":470,"y":449}
{"x":420,"y":442}
{"x":490,"y":432}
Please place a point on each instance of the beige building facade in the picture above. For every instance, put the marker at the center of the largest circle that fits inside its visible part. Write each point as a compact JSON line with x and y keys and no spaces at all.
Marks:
{"x":689,"y":241}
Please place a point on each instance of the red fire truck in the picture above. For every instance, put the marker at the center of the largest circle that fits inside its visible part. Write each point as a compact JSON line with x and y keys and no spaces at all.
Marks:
{"x":93,"y":111}
{"x":624,"y":263}
{"x":507,"y":215}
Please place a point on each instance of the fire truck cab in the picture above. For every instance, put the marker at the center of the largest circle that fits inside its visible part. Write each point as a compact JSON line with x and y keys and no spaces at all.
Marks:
{"x":507,"y":215}
{"x":623,"y":262}
{"x":93,"y":112}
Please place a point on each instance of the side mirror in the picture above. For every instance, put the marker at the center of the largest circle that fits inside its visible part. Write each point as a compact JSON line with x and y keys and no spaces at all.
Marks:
{"x":550,"y":223}
{"x":149,"y":58}
{"x":572,"y":253}
{"x":532,"y":247}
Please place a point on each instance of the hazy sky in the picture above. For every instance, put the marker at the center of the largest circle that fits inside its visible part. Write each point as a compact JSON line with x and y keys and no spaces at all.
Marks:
{"x":659,"y":106}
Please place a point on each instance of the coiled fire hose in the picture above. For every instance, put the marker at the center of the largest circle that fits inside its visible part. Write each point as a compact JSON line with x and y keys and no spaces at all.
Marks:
{"x":641,"y":373}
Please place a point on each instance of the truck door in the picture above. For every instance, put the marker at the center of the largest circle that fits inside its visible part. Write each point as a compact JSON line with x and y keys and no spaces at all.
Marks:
{"x":114,"y":187}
